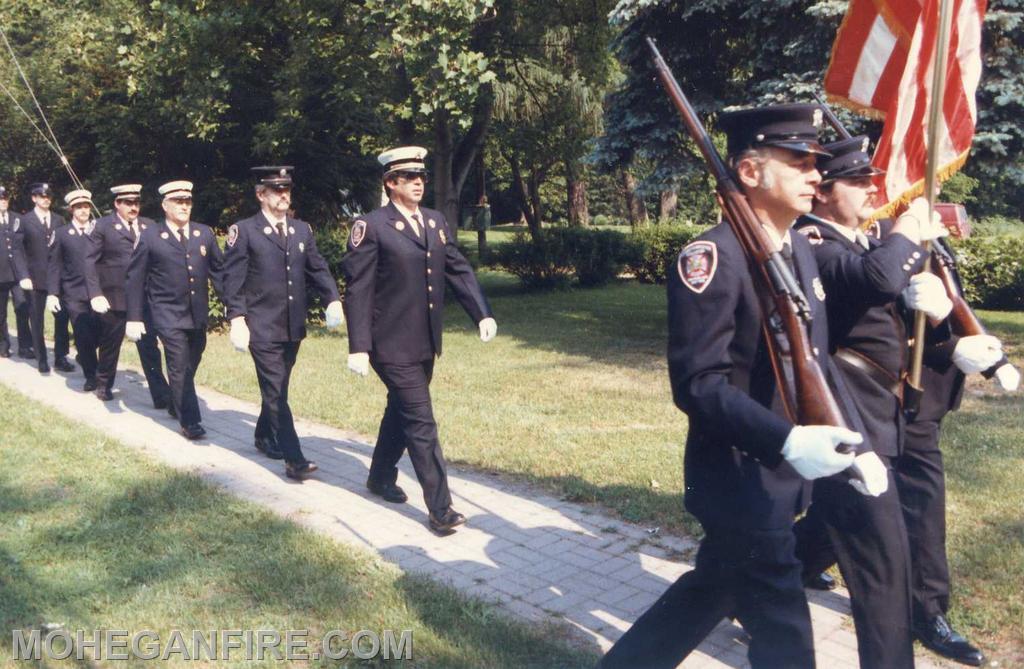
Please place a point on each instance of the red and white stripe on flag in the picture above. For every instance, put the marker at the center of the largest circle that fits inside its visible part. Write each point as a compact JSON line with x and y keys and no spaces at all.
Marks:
{"x":864,"y":78}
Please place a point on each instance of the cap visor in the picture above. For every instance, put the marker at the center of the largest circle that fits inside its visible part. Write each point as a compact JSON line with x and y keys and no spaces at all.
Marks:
{"x":802,"y":147}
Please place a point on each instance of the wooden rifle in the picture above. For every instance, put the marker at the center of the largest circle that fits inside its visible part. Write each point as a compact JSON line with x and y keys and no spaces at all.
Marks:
{"x":805,"y":393}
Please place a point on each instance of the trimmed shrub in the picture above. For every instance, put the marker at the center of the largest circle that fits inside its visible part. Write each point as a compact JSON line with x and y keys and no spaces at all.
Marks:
{"x":561,"y":255}
{"x":658,"y":246}
{"x":992,"y":270}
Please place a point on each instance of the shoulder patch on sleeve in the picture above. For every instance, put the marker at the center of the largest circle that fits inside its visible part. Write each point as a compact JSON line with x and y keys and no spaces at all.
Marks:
{"x":697,"y":264}
{"x":232,"y":235}
{"x":812,"y":233}
{"x":358,"y":233}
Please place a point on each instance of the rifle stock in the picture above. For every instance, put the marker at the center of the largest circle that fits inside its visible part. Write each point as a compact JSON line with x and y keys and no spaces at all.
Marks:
{"x":806,"y":396}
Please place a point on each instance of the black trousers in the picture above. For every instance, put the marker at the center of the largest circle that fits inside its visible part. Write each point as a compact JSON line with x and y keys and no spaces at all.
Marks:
{"x":111,"y":334}
{"x":753,"y":575}
{"x":921,"y":481}
{"x":22,"y":309}
{"x":867,"y":537}
{"x":184,"y":351}
{"x":86,"y":327}
{"x":274,"y":362}
{"x":61,"y":337}
{"x":408,"y":423}
{"x":5,"y":338}
{"x":152,"y":363}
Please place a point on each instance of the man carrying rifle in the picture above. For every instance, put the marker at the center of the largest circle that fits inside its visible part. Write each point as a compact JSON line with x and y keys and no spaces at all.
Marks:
{"x":747,"y":466}
{"x":863,"y":279}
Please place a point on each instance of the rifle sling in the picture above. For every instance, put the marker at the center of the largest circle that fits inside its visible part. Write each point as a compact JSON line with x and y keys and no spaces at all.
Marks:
{"x":872,"y":370}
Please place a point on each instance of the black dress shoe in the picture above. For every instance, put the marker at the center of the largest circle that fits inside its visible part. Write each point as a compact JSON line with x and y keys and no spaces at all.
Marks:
{"x":44,"y":368}
{"x":299,"y":469}
{"x":62,"y":364}
{"x":193,"y":432}
{"x":5,"y":352}
{"x":90,"y":385}
{"x":104,"y":394}
{"x":448,"y":521}
{"x":820,"y":581}
{"x":269,"y":448}
{"x":389,"y":491}
{"x":27,"y":353}
{"x":938,"y":636}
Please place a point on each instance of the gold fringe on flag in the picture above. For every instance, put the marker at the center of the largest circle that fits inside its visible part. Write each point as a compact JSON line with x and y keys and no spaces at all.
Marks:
{"x":899,"y":203}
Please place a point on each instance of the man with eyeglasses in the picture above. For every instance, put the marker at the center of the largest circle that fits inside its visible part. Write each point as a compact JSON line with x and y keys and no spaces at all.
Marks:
{"x":400,"y":257}
{"x":269,"y":259}
{"x":106,"y":267}
{"x":169,"y":271}
{"x":38,"y":229}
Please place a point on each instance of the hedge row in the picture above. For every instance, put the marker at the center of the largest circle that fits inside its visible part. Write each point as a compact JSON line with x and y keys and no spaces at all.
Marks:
{"x":992,"y":270}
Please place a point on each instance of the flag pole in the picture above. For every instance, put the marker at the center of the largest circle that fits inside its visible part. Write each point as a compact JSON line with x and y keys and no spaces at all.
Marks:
{"x":930,"y":180}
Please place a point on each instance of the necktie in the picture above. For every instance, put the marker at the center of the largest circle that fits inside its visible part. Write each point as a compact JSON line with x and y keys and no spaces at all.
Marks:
{"x":280,"y":230}
{"x":46,"y":222}
{"x":787,"y":255}
{"x":135,"y":229}
{"x":417,"y":223}
{"x":181,"y":237}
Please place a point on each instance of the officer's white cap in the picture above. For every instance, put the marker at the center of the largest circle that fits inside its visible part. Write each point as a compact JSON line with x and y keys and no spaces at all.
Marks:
{"x":77,"y":197}
{"x":126,"y":190}
{"x":403,"y":159}
{"x":174,"y":189}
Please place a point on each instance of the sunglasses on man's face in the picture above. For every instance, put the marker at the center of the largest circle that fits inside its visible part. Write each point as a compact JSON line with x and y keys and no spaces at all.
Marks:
{"x":412,"y":176}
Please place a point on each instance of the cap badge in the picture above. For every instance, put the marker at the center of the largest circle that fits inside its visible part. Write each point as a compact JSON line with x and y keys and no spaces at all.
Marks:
{"x":819,"y":290}
{"x":232,"y":235}
{"x":358,"y":233}
{"x":399,"y":226}
{"x":817,"y":118}
{"x":283,"y":172}
{"x":697,"y":264}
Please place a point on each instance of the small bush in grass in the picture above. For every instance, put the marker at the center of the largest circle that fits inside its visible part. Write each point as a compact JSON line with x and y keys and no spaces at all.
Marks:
{"x":658,"y":246}
{"x":992,"y":270}
{"x":562,"y":255}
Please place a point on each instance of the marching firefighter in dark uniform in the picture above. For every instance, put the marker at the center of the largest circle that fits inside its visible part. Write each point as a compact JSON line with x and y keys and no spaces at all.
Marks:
{"x":169,"y":272}
{"x":38,"y":229}
{"x":747,"y":467}
{"x":863,"y":280}
{"x":66,"y":281}
{"x":13,"y":272}
{"x":400,"y":257}
{"x":106,"y":266}
{"x":268,"y":261}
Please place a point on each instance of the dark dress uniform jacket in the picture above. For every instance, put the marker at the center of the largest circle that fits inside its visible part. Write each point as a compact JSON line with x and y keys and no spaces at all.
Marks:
{"x":66,"y":274}
{"x":107,"y":261}
{"x":173,"y":279}
{"x":12,"y":250}
{"x":265,"y":277}
{"x":864,"y":319}
{"x":395,"y":285}
{"x":36,"y":240}
{"x":722,"y":378}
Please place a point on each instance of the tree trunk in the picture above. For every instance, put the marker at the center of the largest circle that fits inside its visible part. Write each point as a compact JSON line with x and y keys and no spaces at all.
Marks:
{"x":576,"y":195}
{"x":453,"y":160}
{"x":667,"y":205}
{"x":523,"y":197}
{"x":634,"y":204}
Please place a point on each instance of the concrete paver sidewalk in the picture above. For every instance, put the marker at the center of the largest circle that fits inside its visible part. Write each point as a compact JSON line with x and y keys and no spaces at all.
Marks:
{"x":542,"y":558}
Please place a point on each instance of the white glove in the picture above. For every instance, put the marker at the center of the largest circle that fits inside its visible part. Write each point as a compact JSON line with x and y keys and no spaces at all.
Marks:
{"x":334,"y":314}
{"x":926,"y":293}
{"x":134,"y":330}
{"x":488,"y":328}
{"x":239,"y":333}
{"x":811,"y":449}
{"x":1008,"y":377}
{"x":26,"y":284}
{"x":927,"y":229}
{"x":359,"y":363}
{"x":872,"y":477}
{"x":52,"y":303}
{"x":977,"y":353}
{"x":99,"y":304}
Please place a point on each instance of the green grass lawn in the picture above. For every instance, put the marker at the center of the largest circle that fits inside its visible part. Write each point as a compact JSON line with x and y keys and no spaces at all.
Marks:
{"x":95,"y":536}
{"x":573,"y":395}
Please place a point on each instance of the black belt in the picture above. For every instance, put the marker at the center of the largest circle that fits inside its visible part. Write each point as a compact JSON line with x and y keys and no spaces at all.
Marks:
{"x":873,"y":371}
